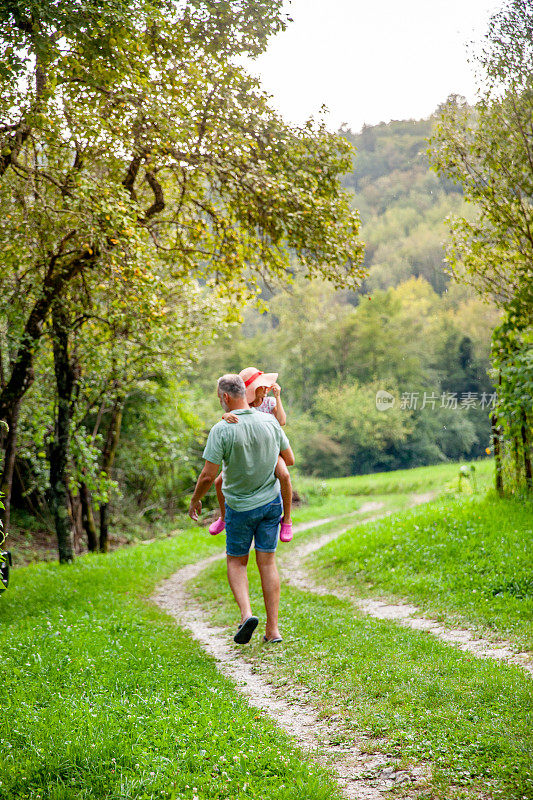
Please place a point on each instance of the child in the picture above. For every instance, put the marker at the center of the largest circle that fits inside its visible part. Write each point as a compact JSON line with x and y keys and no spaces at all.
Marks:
{"x":258,"y":384}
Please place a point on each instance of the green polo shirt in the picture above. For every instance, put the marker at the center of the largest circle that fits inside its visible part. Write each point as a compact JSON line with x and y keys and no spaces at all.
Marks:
{"x":248,"y":450}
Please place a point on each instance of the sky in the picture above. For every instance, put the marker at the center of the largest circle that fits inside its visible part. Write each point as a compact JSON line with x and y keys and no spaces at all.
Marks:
{"x":370,"y":61}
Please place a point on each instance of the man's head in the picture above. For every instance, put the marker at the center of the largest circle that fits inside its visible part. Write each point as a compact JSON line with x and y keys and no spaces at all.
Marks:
{"x":231,"y":392}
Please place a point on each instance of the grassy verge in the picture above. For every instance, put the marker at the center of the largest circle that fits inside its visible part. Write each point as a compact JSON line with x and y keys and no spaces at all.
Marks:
{"x":32,"y":539}
{"x":439,"y":478}
{"x":466,"y":560}
{"x":411,"y":695}
{"x":104,"y":697}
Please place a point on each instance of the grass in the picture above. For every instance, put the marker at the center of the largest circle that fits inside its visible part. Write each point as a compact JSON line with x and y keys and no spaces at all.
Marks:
{"x":104,"y":697}
{"x":468,"y":560}
{"x":32,"y":539}
{"x":471,"y":719}
{"x":421,"y":479}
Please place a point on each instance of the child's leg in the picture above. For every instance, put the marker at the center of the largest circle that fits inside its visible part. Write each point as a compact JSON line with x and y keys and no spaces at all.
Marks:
{"x":219,"y":524}
{"x":282,"y":474}
{"x":220,"y":496}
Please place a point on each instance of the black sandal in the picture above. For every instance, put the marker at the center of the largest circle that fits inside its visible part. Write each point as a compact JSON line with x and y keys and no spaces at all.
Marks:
{"x":245,"y":630}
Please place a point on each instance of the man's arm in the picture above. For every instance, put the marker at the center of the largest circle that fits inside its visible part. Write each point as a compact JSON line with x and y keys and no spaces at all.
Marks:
{"x":203,"y":484}
{"x":288,"y":456}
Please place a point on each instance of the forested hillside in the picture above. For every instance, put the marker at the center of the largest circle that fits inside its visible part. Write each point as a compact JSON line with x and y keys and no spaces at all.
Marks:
{"x":410,"y":330}
{"x":402,"y":203}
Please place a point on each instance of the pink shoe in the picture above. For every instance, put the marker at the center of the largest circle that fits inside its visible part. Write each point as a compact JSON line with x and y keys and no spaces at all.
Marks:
{"x":217,"y":526}
{"x":285,"y":532}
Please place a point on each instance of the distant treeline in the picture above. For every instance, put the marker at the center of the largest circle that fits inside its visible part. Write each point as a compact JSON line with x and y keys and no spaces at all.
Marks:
{"x":430,"y":352}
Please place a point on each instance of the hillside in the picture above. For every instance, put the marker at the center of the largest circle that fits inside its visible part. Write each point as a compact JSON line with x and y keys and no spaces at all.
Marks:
{"x":410,"y":330}
{"x":402,"y":202}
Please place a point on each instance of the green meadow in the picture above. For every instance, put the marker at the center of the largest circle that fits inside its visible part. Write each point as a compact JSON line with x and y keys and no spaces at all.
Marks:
{"x":105,"y":697}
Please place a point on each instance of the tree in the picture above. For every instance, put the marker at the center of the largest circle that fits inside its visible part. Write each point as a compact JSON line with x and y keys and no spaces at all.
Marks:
{"x":489,"y":150}
{"x":138,"y":150}
{"x":367,"y":435}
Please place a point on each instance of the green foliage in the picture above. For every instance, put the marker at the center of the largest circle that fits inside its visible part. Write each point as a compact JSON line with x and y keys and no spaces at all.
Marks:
{"x":512,"y":356}
{"x":485,"y":150}
{"x":2,"y":536}
{"x":161,"y":447}
{"x":148,"y":189}
{"x":402,"y":203}
{"x":366,"y":435}
{"x":333,"y":358}
{"x":488,"y":150}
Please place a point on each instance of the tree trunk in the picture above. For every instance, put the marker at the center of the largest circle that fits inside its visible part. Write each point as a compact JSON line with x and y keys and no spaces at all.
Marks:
{"x":113,"y":435}
{"x":527,"y":450}
{"x":104,"y":528}
{"x":87,"y":517}
{"x":10,"y":447}
{"x":77,"y":525}
{"x":496,"y":443}
{"x":22,"y":373}
{"x":60,"y":445}
{"x":517,"y":460}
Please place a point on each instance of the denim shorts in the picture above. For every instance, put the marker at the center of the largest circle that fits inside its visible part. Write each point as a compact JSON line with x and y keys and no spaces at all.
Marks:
{"x":259,"y":524}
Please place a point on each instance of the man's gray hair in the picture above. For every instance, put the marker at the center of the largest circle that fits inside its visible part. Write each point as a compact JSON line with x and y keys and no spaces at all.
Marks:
{"x":232,"y":385}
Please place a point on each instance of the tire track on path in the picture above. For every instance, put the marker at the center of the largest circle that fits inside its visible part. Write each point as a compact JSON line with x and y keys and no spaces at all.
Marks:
{"x":361,"y":776}
{"x":406,"y":614}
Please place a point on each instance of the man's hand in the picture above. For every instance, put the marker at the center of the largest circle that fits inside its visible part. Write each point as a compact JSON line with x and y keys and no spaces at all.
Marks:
{"x":203,"y":484}
{"x":195,"y":509}
{"x":230,"y":417}
{"x":276,"y":390}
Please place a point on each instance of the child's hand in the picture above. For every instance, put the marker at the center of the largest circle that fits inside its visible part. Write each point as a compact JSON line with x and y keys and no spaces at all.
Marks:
{"x":276,"y":390}
{"x":229,"y":417}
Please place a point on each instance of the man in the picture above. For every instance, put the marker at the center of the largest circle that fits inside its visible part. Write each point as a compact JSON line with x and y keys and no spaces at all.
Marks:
{"x":249,"y":452}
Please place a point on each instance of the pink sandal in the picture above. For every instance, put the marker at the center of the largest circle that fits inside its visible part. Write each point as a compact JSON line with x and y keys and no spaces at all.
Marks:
{"x":285,"y":532}
{"x":217,"y":526}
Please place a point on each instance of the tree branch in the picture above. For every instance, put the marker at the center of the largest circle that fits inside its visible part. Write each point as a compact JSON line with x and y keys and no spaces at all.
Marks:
{"x":159,"y":200}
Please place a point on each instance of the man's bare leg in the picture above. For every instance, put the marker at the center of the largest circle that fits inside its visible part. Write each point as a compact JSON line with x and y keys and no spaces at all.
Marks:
{"x":266,"y":563}
{"x":284,"y":478}
{"x":238,"y":581}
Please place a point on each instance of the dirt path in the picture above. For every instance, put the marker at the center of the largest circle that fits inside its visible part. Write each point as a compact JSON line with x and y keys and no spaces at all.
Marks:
{"x":361,"y":776}
{"x":297,"y":718}
{"x":372,"y":505}
{"x":410,"y":616}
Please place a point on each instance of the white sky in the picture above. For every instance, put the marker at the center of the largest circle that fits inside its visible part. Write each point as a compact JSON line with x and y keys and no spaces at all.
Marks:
{"x":372,"y":60}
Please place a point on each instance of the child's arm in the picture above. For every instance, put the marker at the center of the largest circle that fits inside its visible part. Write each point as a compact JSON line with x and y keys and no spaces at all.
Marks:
{"x":230,"y":417}
{"x":279,"y":411}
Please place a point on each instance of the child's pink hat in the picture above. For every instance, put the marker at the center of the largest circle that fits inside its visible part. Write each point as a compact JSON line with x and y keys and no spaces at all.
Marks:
{"x":253,"y":378}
